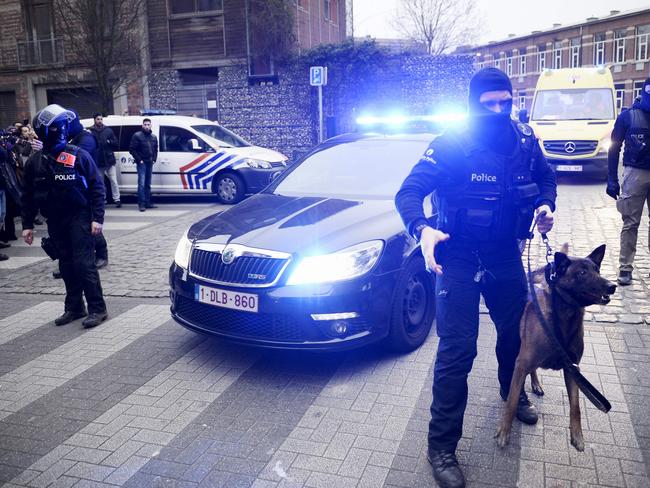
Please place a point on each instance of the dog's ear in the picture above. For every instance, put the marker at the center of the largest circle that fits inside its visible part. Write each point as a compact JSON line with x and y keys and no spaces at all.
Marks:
{"x":562,"y":262}
{"x":597,"y":255}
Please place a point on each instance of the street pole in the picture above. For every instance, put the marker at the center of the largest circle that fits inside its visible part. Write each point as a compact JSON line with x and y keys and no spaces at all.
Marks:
{"x":320,"y":113}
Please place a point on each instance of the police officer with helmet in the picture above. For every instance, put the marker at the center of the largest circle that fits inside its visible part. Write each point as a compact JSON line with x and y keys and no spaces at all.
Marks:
{"x":63,"y":182}
{"x":488,"y":178}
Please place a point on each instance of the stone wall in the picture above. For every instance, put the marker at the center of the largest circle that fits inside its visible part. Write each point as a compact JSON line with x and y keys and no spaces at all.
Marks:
{"x":284,"y":116}
{"x":162,"y":89}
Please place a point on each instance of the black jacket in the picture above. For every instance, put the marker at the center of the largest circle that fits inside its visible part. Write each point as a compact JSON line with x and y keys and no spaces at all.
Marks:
{"x":634,"y":154}
{"x":144,"y":147}
{"x":86,"y":140}
{"x":39,"y":174}
{"x":442,"y":168}
{"x":107,"y":144}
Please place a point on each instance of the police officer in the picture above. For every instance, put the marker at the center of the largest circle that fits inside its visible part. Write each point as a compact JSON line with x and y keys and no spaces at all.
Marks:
{"x":64,"y":183}
{"x":488,"y":179}
{"x":632,"y":127}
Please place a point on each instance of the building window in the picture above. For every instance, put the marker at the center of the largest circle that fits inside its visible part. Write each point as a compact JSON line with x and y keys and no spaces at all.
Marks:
{"x":599,"y":49}
{"x":642,"y":33}
{"x":620,"y":96}
{"x":619,"y":45}
{"x":509,"y":65}
{"x":522,"y":64}
{"x":327,"y":9}
{"x":557,"y":54}
{"x":195,"y":6}
{"x":636,"y":92}
{"x":575,"y":52}
{"x":541,"y":58}
{"x":522,"y":100}
{"x":497,"y":62}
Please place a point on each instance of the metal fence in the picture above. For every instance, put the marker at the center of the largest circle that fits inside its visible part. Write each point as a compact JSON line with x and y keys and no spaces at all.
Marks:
{"x":41,"y":52}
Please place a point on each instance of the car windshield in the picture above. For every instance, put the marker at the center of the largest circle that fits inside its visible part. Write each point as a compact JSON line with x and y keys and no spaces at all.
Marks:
{"x":366,"y":169}
{"x":223,"y":135}
{"x":574,"y":104}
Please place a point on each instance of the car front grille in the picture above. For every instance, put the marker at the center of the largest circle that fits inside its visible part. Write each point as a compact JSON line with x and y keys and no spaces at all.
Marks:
{"x":565,"y":147}
{"x":243,"y":271}
{"x":262,"y":326}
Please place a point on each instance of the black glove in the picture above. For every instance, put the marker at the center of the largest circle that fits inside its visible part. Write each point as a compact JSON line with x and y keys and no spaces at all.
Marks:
{"x":613,"y":188}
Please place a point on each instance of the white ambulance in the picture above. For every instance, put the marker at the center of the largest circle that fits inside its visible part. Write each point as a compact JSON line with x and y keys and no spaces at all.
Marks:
{"x":194,"y":156}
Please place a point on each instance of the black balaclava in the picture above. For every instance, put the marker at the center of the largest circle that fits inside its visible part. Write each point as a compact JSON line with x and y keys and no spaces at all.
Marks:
{"x":491,"y":128}
{"x":645,"y":96}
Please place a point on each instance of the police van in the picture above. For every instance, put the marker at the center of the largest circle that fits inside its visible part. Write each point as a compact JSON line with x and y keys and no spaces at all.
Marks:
{"x":194,"y":156}
{"x":573,"y":114}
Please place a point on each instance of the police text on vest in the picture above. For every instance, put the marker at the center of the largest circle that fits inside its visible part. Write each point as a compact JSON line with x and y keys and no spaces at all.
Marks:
{"x":484,"y":177}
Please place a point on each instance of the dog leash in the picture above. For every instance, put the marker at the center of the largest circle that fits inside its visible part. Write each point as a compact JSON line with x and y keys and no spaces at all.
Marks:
{"x":589,"y":390}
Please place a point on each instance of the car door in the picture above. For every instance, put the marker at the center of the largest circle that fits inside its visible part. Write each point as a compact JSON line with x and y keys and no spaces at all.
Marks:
{"x":182,"y":160}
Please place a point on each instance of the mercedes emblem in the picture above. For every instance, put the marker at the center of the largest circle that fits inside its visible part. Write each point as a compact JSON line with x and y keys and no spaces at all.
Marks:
{"x":570,"y":147}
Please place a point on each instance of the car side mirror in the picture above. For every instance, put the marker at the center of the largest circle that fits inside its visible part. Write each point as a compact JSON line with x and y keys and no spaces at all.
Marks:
{"x":523,"y":116}
{"x":195,"y":144}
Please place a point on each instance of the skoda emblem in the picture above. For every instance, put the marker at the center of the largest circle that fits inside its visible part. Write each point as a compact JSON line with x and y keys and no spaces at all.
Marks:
{"x":228,"y":256}
{"x":570,"y":147}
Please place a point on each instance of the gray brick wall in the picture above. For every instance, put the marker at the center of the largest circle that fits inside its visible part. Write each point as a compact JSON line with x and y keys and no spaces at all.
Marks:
{"x":284,"y":116}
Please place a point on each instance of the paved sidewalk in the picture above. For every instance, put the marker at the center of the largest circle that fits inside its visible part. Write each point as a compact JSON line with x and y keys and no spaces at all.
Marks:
{"x":140,"y":401}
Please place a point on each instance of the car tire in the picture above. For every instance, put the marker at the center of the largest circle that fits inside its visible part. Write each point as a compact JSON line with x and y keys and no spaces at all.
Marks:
{"x":413,"y":309}
{"x":229,"y":188}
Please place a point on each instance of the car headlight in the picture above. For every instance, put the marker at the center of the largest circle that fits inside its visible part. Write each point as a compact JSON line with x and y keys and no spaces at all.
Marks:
{"x":342,"y":265}
{"x":183,"y":251}
{"x":257,"y":163}
{"x":605,"y":144}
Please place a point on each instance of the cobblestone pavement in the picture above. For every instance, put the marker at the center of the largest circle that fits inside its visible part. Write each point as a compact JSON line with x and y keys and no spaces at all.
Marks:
{"x":140,"y":401}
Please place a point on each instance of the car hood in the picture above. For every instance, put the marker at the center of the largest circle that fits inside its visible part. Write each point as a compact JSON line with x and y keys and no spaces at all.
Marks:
{"x":257,"y":152}
{"x":300,"y":225}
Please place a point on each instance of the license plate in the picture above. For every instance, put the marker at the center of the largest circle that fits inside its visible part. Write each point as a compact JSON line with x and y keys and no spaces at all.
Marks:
{"x":568,"y":167}
{"x":246,"y":302}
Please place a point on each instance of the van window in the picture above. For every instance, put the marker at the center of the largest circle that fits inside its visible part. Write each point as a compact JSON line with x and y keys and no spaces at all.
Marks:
{"x":175,"y":139}
{"x":574,"y":104}
{"x":125,"y":133}
{"x":222,"y":134}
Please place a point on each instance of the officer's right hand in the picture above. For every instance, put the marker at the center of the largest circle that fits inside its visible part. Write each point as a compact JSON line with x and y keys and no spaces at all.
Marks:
{"x":28,"y":236}
{"x":429,"y":238}
{"x":613,"y":188}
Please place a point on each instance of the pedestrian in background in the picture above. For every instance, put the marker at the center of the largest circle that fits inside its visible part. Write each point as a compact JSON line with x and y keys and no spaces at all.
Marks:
{"x":632,"y":127}
{"x":489,"y":179}
{"x":12,"y":194}
{"x":4,"y":156}
{"x":105,"y":154}
{"x":64,"y":182}
{"x":144,"y":150}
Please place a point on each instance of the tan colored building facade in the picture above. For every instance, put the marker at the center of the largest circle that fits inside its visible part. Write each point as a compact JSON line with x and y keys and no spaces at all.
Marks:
{"x":620,"y":40}
{"x":183,"y":45}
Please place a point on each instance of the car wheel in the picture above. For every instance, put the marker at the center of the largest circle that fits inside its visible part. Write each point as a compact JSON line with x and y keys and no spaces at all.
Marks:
{"x":229,"y":188}
{"x":413,"y":307}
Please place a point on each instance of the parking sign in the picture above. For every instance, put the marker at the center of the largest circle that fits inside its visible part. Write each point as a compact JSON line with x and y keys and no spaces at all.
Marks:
{"x":317,"y":76}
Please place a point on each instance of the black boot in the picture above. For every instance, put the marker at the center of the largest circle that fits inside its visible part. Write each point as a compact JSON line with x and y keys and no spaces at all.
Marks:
{"x":94,"y":319}
{"x":526,"y":411}
{"x":625,"y":278}
{"x":69,"y":316}
{"x":446,"y":471}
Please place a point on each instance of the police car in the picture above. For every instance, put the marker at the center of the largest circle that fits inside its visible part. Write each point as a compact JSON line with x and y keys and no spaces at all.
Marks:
{"x":319,"y":259}
{"x":194,"y":156}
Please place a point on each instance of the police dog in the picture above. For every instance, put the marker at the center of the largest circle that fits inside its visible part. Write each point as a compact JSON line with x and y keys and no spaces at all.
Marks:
{"x":578,"y":284}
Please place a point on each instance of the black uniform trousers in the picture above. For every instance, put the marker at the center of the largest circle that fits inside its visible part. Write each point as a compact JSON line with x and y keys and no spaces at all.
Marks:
{"x":504,"y":289}
{"x":71,"y":234}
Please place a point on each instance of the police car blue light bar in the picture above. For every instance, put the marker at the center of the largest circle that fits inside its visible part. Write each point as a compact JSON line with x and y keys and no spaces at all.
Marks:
{"x":445,"y":117}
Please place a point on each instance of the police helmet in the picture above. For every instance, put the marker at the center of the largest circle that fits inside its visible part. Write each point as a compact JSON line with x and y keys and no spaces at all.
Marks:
{"x":52,"y":126}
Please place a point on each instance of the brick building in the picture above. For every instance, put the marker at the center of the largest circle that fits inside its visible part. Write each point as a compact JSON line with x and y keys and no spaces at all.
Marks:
{"x":620,"y":40}
{"x":185,"y":43}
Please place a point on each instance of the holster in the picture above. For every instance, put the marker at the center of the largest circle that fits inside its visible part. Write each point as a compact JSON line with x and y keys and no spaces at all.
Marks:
{"x":50,"y":248}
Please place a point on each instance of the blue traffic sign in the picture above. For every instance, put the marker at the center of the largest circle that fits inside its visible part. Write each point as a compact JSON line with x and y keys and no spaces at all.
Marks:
{"x":317,"y":76}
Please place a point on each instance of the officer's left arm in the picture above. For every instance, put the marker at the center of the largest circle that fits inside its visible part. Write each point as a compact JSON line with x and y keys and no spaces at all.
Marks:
{"x":544,"y":176}
{"x":95,"y":184}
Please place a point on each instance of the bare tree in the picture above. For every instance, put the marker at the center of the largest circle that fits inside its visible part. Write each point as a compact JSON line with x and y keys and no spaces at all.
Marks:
{"x":103,"y":36}
{"x":272,"y":25}
{"x":440,"y":25}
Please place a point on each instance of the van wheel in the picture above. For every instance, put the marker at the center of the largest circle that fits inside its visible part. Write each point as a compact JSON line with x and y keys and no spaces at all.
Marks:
{"x":229,"y":188}
{"x":413,"y":309}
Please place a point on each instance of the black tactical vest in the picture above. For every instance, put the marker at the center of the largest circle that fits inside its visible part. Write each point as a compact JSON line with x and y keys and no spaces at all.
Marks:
{"x":493,"y":195}
{"x":58,"y":185}
{"x":637,"y":140}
